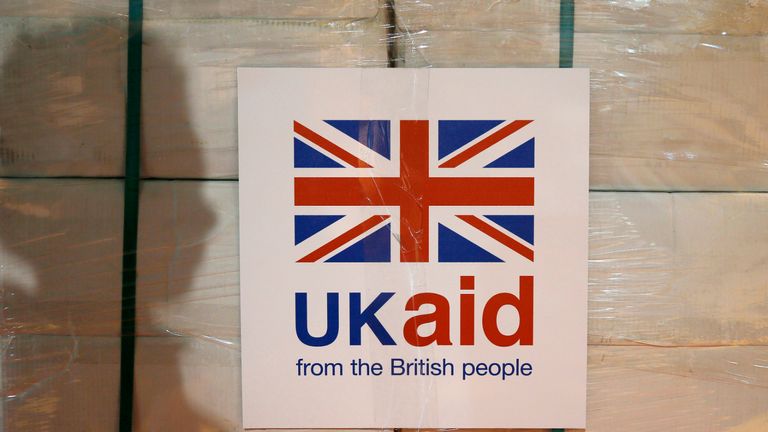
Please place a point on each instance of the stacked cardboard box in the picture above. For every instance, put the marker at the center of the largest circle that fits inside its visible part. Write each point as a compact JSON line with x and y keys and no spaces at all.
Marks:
{"x":62,"y":79}
{"x":677,"y":309}
{"x":62,"y":110}
{"x":190,"y":86}
{"x":677,"y":323}
{"x":62,"y":115}
{"x":670,"y":108}
{"x":61,"y":244}
{"x":677,"y":303}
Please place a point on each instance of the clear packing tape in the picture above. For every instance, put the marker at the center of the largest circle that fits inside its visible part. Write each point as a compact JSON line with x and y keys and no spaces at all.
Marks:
{"x":678,"y":285}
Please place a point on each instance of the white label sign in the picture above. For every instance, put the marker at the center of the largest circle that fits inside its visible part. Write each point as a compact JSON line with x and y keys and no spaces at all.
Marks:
{"x":413,"y":247}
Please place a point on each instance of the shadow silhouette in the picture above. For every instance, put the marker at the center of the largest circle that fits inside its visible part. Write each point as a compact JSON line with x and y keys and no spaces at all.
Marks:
{"x":62,"y":96}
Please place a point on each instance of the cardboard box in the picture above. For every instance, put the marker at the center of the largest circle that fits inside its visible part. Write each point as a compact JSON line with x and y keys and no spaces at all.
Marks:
{"x":293,"y":9}
{"x":717,"y":17}
{"x":645,"y":389}
{"x":462,"y":48}
{"x":62,"y":109}
{"x":188,"y":265}
{"x":683,"y":269}
{"x":194,"y":382}
{"x":674,"y":112}
{"x":61,"y":255}
{"x":185,"y":9}
{"x":670,"y":108}
{"x":731,"y":17}
{"x":63,"y":85}
{"x":190,"y":82}
{"x":64,"y":8}
{"x":59,"y":383}
{"x":541,"y":16}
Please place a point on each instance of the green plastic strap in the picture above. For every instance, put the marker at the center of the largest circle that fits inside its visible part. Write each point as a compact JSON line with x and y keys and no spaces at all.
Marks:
{"x":131,"y":213}
{"x":567,"y":9}
{"x":566,"y":33}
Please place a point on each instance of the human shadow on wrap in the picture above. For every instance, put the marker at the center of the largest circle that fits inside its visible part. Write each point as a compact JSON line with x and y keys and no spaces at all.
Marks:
{"x":62,"y":104}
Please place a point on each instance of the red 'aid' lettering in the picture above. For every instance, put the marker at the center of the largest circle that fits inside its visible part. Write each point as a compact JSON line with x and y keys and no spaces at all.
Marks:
{"x":524,"y":306}
{"x":467,"y":311}
{"x":441,"y":317}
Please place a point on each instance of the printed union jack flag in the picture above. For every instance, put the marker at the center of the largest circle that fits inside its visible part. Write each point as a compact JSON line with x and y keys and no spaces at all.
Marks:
{"x":360,"y":184}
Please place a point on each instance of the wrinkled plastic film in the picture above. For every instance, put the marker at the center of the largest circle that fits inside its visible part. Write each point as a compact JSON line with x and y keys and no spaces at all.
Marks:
{"x":677,"y":281}
{"x":62,"y":236}
{"x":670,"y":110}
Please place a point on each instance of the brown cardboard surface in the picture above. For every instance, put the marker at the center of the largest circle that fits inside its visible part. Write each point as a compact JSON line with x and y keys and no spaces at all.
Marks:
{"x":63,"y":87}
{"x":59,"y":383}
{"x":190,"y":82}
{"x":61,"y":256}
{"x":294,"y":9}
{"x":64,"y":8}
{"x":731,"y":17}
{"x":673,"y":111}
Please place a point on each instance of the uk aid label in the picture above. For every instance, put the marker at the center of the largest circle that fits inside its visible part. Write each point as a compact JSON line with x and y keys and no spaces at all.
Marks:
{"x":413,"y":247}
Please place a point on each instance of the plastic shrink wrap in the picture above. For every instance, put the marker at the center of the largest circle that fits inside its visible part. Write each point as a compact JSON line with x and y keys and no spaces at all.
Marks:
{"x":678,"y":287}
